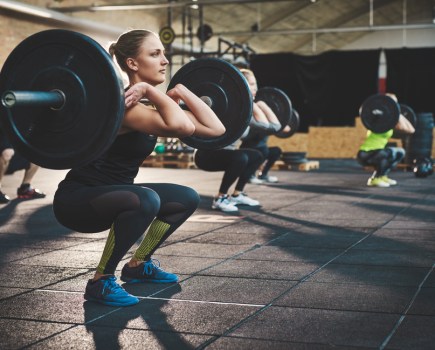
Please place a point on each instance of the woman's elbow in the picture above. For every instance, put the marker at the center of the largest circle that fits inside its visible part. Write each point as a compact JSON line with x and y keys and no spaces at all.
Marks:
{"x":185,"y":130}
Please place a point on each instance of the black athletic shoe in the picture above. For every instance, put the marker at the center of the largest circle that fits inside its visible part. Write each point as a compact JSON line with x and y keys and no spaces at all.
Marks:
{"x":4,"y":198}
{"x":28,"y":192}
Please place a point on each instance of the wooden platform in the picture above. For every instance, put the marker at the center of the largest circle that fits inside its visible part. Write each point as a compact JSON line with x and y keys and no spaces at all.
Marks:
{"x":170,"y":160}
{"x":307,"y":166}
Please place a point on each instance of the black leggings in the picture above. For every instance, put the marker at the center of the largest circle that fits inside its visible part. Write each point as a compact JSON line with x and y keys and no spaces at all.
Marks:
{"x":128,"y":209}
{"x":383,"y":160}
{"x":270,"y":154}
{"x":237,"y":164}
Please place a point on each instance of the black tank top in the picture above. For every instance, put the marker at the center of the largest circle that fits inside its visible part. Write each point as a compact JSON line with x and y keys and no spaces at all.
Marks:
{"x":119,"y":164}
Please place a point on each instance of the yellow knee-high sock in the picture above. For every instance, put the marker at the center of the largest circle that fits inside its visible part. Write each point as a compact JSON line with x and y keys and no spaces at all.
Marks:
{"x":155,"y":233}
{"x":108,"y":250}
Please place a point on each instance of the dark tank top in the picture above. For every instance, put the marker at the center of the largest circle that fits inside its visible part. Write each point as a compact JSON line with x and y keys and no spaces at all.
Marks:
{"x":118,"y":165}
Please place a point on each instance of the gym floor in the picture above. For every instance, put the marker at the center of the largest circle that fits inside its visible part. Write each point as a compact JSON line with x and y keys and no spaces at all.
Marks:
{"x":326,"y":262}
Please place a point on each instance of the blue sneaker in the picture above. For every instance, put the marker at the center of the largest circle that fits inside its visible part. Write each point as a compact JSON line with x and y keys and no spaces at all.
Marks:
{"x":106,"y":291}
{"x":147,"y":271}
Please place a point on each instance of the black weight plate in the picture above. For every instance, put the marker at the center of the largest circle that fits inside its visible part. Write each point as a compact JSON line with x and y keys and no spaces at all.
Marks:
{"x":278,"y":101}
{"x":294,"y":126}
{"x":409,"y":114}
{"x":380,"y":113}
{"x":204,"y":32}
{"x":89,"y":121}
{"x":229,"y":93}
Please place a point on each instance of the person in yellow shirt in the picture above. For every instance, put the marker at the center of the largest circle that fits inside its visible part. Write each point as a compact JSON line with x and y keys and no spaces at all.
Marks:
{"x":374,"y":152}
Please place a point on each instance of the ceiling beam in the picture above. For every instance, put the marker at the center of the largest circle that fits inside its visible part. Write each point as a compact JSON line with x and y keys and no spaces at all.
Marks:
{"x":153,"y":6}
{"x":330,"y":30}
{"x":58,"y":19}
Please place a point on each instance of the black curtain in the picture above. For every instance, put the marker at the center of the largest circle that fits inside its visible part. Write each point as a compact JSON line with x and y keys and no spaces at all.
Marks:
{"x":326,"y":89}
{"x":411,"y":76}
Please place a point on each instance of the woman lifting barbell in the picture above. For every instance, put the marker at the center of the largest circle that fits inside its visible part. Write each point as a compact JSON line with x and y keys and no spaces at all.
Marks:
{"x":375,"y":152}
{"x":257,"y":138}
{"x":102,"y":195}
{"x":240,"y":164}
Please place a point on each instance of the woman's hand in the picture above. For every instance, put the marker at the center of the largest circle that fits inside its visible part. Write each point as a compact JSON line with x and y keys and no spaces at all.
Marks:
{"x":135,"y":93}
{"x":207,"y":124}
{"x":175,"y":92}
{"x":287,"y":128}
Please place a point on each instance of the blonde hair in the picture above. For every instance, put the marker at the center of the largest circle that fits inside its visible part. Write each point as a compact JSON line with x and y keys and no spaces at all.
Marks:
{"x":247,"y":72}
{"x":128,"y":46}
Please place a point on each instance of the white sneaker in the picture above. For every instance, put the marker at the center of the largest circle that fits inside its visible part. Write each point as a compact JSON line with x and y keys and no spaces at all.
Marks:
{"x":269,"y":179}
{"x":243,"y":199}
{"x":223,"y":203}
{"x":255,"y":180}
{"x":389,"y":181}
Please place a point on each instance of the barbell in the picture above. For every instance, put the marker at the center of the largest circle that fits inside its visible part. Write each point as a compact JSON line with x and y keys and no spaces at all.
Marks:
{"x":63,"y":98}
{"x":380,"y":113}
{"x":281,"y":105}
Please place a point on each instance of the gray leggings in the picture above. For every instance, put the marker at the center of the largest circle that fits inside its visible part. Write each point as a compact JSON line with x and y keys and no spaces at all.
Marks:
{"x":383,"y":160}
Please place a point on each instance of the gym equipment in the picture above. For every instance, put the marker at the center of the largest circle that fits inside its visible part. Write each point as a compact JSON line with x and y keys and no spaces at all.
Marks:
{"x":421,"y":142}
{"x":225,"y":90}
{"x":63,"y":98}
{"x":281,"y":105}
{"x":204,"y":32}
{"x":422,"y":167}
{"x":293,"y":123}
{"x":409,"y":114}
{"x":380,"y":113}
{"x":278,"y":101}
{"x":167,"y":35}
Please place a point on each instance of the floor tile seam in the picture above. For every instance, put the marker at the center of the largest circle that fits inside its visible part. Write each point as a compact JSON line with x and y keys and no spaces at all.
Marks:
{"x":381,"y":265}
{"x":195,"y":236}
{"x":48,"y":252}
{"x":69,"y":267}
{"x":368,"y":284}
{"x":406,"y":310}
{"x":207,"y":302}
{"x":210,"y":267}
{"x":149,"y":330}
{"x":375,"y":312}
{"x":30,"y":290}
{"x":243,"y":277}
{"x":394,"y":250}
{"x":50,"y":336}
{"x":73,"y":324}
{"x":281,"y":260}
{"x":282,"y":341}
{"x":149,"y":297}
